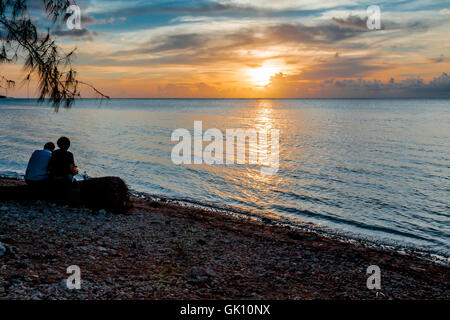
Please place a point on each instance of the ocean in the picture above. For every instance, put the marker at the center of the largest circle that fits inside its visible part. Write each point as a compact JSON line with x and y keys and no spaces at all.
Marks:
{"x":371,"y":168}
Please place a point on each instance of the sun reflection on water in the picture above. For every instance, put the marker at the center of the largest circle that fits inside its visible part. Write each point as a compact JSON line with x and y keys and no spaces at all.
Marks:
{"x":263,"y":122}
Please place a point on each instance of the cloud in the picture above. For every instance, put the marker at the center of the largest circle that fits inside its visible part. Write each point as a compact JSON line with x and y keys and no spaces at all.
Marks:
{"x":341,"y":67}
{"x":75,"y":34}
{"x":190,"y":19}
{"x":285,"y":86}
{"x":268,"y":8}
{"x":358,"y":23}
{"x":222,"y":46}
{"x":225,"y":43}
{"x":353,"y":22}
{"x":196,"y":90}
{"x":414,"y":87}
{"x":222,"y":43}
{"x":441,"y":58}
{"x":202,"y":8}
{"x":85,"y":19}
{"x":89,"y":20}
{"x":322,"y":52}
{"x":169,"y":43}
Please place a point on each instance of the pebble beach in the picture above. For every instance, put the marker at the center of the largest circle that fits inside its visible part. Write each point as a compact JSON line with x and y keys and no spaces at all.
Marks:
{"x":164,"y":251}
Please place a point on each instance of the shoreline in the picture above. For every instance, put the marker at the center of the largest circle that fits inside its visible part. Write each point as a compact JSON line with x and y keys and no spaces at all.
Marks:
{"x":297,"y":223}
{"x":164,"y":250}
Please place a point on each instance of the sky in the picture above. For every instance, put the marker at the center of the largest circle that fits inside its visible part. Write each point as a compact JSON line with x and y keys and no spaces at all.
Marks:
{"x":259,"y":49}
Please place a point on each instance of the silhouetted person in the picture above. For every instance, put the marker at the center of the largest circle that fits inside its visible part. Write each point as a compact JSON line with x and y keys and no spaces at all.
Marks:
{"x":62,"y":166}
{"x":37,"y":170}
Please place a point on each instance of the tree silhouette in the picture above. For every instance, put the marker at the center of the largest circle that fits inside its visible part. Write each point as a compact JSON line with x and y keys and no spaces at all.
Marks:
{"x":41,"y":56}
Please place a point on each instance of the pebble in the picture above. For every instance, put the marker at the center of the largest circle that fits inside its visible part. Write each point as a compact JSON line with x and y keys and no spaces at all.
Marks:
{"x":210,"y":272}
{"x":2,"y":249}
{"x":196,"y":275}
{"x":63,"y":284}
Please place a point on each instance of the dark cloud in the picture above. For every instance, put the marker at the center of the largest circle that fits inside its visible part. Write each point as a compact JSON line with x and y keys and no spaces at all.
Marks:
{"x":215,"y":44}
{"x":358,"y":23}
{"x":341,"y":67}
{"x":323,"y":34}
{"x":196,"y":48}
{"x":169,"y":43}
{"x":441,"y":58}
{"x":196,"y":9}
{"x":414,"y":87}
{"x":286,"y":86}
{"x":75,"y":34}
{"x":352,"y":22}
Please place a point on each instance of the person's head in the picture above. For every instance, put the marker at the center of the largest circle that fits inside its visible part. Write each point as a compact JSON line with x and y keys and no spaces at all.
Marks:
{"x":50,"y":146}
{"x":63,"y":143}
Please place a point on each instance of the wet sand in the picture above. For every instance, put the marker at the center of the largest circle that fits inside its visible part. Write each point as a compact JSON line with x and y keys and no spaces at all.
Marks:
{"x":162,"y":250}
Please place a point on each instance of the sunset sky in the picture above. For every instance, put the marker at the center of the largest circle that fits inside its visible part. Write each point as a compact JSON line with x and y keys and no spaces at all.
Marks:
{"x":260,"y":48}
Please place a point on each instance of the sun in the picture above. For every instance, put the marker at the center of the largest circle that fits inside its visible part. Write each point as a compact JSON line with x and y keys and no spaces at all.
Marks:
{"x":261,"y":76}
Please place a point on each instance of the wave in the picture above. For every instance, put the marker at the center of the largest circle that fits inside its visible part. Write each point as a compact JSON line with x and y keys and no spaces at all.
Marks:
{"x":12,"y":174}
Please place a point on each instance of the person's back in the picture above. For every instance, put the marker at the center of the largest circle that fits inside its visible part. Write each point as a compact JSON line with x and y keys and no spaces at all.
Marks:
{"x":37,"y":169}
{"x":62,"y":162}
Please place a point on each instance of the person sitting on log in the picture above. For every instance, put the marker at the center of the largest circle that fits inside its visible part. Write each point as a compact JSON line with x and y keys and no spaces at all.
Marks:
{"x":62,"y":165}
{"x":37,"y":169}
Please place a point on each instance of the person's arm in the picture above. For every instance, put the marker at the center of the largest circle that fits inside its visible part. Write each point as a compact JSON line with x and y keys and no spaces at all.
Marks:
{"x":73,"y":167}
{"x":72,"y":162}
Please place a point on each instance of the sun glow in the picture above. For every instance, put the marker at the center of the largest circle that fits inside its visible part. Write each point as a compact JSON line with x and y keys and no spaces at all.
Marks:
{"x":261,"y":76}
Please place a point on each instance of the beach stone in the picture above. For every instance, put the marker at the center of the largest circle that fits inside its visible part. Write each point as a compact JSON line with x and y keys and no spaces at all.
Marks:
{"x":266,"y":220}
{"x":196,"y":275}
{"x":83,"y":249}
{"x":63,"y":284}
{"x":210,"y":272}
{"x":295,"y":235}
{"x":7,"y":249}
{"x":2,"y":250}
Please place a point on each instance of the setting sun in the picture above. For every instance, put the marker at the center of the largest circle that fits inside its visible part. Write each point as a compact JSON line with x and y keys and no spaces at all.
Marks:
{"x":261,"y":76}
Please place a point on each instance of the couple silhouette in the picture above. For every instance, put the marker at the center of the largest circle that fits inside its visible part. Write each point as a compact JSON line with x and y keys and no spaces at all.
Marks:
{"x":51,"y":166}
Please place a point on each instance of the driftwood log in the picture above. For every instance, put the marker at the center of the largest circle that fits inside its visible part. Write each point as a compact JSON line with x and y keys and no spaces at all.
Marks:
{"x":109,"y":193}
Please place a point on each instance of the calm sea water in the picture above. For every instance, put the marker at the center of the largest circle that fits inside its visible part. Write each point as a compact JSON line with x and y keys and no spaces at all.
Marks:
{"x":376,"y":168}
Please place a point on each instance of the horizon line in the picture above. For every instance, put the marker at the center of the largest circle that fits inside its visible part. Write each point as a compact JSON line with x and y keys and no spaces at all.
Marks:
{"x":199,"y":98}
